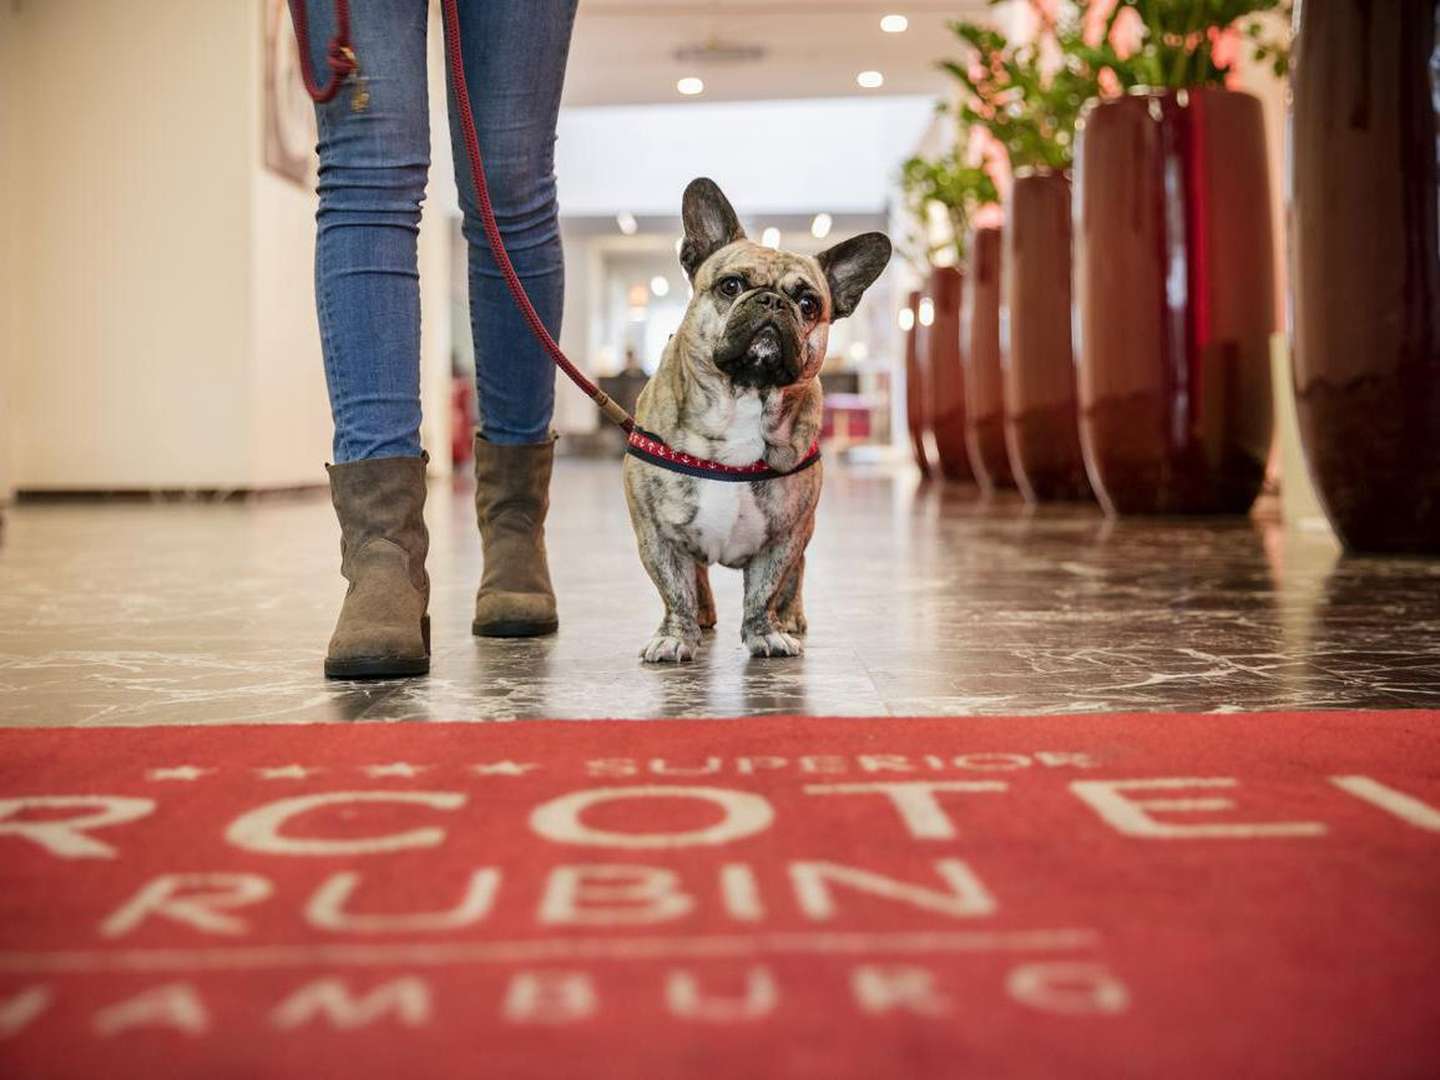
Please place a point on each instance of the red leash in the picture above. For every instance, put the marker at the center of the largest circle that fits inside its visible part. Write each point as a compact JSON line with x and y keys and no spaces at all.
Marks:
{"x":343,"y":65}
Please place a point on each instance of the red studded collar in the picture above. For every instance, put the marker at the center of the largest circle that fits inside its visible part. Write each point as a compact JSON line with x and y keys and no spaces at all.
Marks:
{"x":655,"y":451}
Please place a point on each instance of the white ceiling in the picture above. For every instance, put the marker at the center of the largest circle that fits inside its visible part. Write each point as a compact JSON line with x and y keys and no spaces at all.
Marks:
{"x":623,"y":51}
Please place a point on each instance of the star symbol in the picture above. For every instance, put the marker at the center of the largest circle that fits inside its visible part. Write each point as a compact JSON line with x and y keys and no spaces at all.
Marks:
{"x":177,"y":772}
{"x":284,"y":772}
{"x":503,"y":768}
{"x":395,"y":768}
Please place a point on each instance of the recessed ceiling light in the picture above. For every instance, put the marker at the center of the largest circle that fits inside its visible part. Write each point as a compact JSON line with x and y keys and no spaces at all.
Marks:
{"x":894,"y":24}
{"x":626,"y":221}
{"x":660,"y":285}
{"x":870,"y":79}
{"x":906,"y":319}
{"x":820,"y":227}
{"x":690,"y":86}
{"x":927,"y":311}
{"x":770,"y":237}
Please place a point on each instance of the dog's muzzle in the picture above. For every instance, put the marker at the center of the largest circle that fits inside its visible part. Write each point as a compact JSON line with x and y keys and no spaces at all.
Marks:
{"x":761,"y":346}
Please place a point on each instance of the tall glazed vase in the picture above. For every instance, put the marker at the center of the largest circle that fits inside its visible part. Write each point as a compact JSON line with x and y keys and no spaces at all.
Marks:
{"x":1176,"y":300}
{"x":1366,"y":251}
{"x":938,"y":331}
{"x":980,"y":346}
{"x":1042,"y":429}
{"x":917,"y":421}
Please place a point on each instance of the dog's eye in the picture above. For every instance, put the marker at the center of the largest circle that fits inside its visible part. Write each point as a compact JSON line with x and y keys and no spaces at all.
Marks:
{"x":731,"y":286}
{"x":809,"y":307}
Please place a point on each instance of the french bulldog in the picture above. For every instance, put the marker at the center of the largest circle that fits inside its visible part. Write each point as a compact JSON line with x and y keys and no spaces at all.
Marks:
{"x":738,"y":383}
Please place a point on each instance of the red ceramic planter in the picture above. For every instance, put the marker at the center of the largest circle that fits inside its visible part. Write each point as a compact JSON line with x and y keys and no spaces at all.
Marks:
{"x":1366,"y":252}
{"x":980,"y":342}
{"x":1175,"y":293}
{"x":938,"y":348}
{"x":1042,"y":429}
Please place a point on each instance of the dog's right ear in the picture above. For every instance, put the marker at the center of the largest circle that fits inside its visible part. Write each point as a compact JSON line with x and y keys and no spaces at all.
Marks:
{"x":710,"y":223}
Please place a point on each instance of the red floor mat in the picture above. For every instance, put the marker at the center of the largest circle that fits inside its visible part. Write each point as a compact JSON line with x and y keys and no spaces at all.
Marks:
{"x":1178,"y":896}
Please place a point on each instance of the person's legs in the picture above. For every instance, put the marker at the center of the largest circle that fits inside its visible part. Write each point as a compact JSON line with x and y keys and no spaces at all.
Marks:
{"x":373,"y":169}
{"x":515,"y":53}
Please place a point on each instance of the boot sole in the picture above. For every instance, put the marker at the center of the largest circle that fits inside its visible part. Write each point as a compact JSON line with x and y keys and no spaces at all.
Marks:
{"x":383,"y":667}
{"x":378,"y":667}
{"x":514,"y":628}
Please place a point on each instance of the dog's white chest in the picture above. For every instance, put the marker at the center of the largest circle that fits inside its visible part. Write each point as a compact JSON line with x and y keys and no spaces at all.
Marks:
{"x":728,"y":525}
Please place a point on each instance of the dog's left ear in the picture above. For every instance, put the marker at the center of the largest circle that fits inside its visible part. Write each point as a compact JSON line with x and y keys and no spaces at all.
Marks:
{"x":851,"y":266}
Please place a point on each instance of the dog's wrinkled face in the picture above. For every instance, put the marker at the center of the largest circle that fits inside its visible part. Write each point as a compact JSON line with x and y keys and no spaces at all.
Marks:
{"x":763,"y":312}
{"x":761,"y":317}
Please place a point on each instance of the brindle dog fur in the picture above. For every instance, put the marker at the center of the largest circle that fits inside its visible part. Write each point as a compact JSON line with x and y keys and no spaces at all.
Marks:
{"x":737,"y":383}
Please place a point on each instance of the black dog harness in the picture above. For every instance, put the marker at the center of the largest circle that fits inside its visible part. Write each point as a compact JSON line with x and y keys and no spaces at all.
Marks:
{"x":655,"y":451}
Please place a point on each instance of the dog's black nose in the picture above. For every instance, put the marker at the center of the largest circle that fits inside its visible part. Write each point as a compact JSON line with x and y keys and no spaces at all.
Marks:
{"x":765,"y":347}
{"x":770,"y":301}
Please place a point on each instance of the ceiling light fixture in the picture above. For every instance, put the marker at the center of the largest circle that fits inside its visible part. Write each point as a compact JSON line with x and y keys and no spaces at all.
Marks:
{"x":894,"y":24}
{"x":906,"y":319}
{"x":660,"y":285}
{"x":770,"y":237}
{"x":626,"y":220}
{"x":690,"y":86}
{"x":820,"y":227}
{"x":870,"y":79}
{"x":927,"y":311}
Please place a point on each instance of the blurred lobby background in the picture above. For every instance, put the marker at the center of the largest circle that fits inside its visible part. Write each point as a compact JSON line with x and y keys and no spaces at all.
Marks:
{"x":158,"y":326}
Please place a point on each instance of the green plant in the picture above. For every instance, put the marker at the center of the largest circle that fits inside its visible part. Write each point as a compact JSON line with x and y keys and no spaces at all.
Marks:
{"x":1178,"y":38}
{"x":1031,"y":106}
{"x":961,"y":189}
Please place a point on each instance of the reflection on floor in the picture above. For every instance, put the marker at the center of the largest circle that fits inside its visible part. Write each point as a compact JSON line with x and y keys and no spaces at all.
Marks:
{"x":922,"y":600}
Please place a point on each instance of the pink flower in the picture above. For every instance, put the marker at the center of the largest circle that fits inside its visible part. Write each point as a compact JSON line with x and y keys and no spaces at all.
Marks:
{"x":1226,"y":47}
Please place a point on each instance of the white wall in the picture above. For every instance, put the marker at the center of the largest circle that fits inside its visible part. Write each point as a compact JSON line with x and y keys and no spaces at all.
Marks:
{"x":286,"y":397}
{"x":130,"y":256}
{"x":7,"y":244}
{"x":164,"y":327}
{"x":834,"y":154}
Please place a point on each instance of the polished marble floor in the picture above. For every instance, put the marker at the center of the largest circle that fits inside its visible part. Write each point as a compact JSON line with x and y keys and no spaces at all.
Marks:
{"x":922,"y":600}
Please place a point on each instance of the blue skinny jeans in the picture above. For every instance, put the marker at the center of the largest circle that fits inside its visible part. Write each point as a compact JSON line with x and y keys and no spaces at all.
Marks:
{"x":373,"y":169}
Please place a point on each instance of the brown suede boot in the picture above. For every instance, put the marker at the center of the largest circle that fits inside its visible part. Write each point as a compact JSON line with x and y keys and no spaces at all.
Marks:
{"x":383,"y":630}
{"x":512,"y":495}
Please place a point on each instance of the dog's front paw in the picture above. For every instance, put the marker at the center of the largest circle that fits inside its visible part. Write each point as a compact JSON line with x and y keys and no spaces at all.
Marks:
{"x":773,"y":643}
{"x":792,"y":623}
{"x":667,"y":649}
